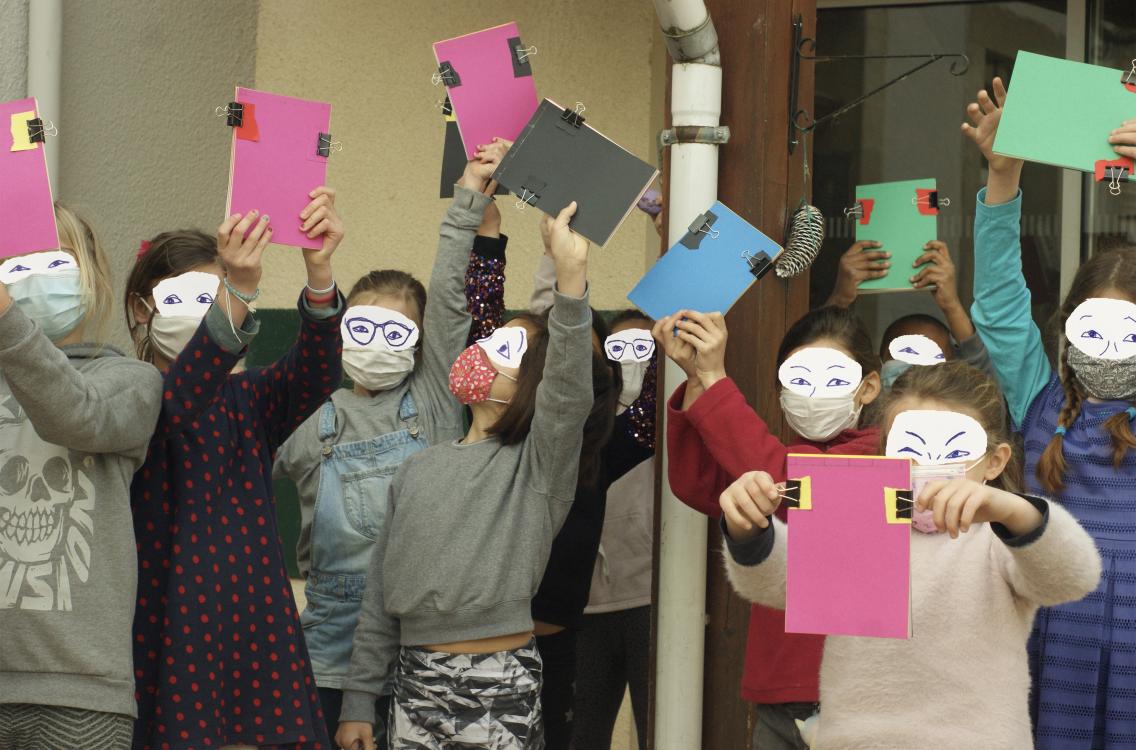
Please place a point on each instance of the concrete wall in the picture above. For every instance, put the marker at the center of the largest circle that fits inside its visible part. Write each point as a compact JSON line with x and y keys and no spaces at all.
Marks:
{"x":373,"y":60}
{"x":141,"y":149}
{"x":13,"y":49}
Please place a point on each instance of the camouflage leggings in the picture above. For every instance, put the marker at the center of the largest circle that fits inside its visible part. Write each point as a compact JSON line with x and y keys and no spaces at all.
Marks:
{"x":459,"y":701}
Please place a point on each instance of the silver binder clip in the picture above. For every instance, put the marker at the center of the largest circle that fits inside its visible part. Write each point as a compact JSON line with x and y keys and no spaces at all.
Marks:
{"x":524,"y":53}
{"x":933,"y":200}
{"x":527,"y":199}
{"x":1129,"y":78}
{"x":855,"y":212}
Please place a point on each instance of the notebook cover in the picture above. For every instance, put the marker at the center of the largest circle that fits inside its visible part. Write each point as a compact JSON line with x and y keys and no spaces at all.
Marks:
{"x":453,"y":156}
{"x":275,"y":173}
{"x":710,"y":277}
{"x":849,"y":565}
{"x":496,"y":95}
{"x":561,"y":163}
{"x":901,"y":219}
{"x":27,"y":209}
{"x":1061,"y":112}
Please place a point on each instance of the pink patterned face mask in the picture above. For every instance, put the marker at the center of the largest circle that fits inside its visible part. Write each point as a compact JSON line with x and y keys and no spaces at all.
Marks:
{"x":471,"y":377}
{"x":921,"y":476}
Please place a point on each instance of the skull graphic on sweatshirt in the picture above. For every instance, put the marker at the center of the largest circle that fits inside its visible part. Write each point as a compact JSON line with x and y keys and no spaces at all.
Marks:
{"x":45,"y":522}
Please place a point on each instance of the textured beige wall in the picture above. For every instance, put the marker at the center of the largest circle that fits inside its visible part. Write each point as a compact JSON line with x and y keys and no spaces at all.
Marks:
{"x":373,"y":61}
{"x":141,"y":151}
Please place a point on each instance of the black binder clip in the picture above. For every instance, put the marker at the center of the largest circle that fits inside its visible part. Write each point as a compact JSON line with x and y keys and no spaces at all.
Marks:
{"x":575,"y":117}
{"x":234,"y":114}
{"x":324,"y":145}
{"x":702,"y":226}
{"x":446,"y":75}
{"x":759,"y":263}
{"x":791,"y":493}
{"x":447,"y":108}
{"x":903,"y":504}
{"x":36,"y":131}
{"x":530,"y":193}
{"x":520,"y":55}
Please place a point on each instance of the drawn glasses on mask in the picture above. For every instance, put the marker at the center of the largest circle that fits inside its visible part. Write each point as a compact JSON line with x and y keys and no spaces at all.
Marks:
{"x":631,"y":345}
{"x":820,"y":372}
{"x":54,"y":261}
{"x":1104,"y":328}
{"x":368,"y":326}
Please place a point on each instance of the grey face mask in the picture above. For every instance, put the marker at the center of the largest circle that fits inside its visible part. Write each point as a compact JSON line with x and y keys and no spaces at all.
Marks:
{"x":1105,"y":379}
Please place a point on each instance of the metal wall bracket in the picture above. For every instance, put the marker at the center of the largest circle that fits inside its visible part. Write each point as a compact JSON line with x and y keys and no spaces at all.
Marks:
{"x":715,"y":136}
{"x":801,"y":121}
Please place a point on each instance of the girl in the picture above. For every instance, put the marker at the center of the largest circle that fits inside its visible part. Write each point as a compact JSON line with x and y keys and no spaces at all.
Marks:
{"x":343,"y":457}
{"x":219,"y":658}
{"x":614,"y":638}
{"x":467,"y":537}
{"x":75,"y":418}
{"x":1077,"y":426}
{"x":961,"y":680}
{"x":714,"y":437}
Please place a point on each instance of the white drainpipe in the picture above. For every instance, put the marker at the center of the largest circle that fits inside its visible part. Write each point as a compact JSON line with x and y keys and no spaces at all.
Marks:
{"x":45,"y":47}
{"x":696,"y":100}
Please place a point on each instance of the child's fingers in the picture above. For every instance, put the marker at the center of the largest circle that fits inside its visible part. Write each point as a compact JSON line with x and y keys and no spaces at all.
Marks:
{"x":242,"y":227}
{"x":318,"y":229}
{"x":927,"y":494}
{"x":324,"y":190}
{"x":225,"y":231}
{"x":254,"y":257}
{"x":1128,"y":151}
{"x":952,"y":514}
{"x":314,"y":217}
{"x":985,"y":103}
{"x":999,"y":92}
{"x":565,"y":215}
{"x":698,"y":344}
{"x":872,"y":259}
{"x":974,"y":112}
{"x":969,"y":511}
{"x":319,"y":200}
{"x":766,"y":486}
{"x":255,"y":234}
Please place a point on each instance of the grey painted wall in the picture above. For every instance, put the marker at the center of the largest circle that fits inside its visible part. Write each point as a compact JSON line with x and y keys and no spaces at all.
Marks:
{"x":141,"y":151}
{"x":13,"y":49}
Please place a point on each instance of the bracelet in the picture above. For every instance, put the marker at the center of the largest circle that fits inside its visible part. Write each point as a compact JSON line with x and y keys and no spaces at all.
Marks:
{"x":321,"y":299}
{"x":327,"y":291}
{"x":248,"y":299}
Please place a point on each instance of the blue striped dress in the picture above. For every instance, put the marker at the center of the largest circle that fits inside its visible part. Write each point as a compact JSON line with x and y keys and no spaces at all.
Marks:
{"x":1083,"y":654}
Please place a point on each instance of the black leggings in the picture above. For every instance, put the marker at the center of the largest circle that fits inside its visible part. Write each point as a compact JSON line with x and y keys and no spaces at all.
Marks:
{"x":613,"y":653}
{"x":558,"y":654}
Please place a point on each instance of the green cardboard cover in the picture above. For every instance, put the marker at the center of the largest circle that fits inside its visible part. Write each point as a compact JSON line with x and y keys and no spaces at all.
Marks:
{"x":1061,"y":112}
{"x":899,"y":215}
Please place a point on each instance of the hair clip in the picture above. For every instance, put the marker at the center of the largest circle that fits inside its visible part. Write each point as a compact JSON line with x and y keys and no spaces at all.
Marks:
{"x":143,"y":248}
{"x":1131,"y":410}
{"x":1059,"y":431}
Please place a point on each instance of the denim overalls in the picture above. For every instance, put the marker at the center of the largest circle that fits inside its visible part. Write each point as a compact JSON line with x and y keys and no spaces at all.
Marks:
{"x":351,"y":508}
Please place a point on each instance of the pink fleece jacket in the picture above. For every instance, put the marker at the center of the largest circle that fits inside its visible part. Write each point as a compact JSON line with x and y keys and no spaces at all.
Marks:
{"x":962,"y":680}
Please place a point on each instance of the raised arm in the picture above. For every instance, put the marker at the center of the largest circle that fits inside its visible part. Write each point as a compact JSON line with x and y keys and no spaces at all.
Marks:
{"x":756,"y":542}
{"x":105,"y":409}
{"x":1002,"y":302}
{"x":564,"y":396}
{"x":859,"y":263}
{"x":485,"y":277}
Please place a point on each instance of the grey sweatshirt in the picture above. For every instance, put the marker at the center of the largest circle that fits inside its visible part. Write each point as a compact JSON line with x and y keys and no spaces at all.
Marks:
{"x":75,"y":424}
{"x":445,"y":327}
{"x":470,"y":527}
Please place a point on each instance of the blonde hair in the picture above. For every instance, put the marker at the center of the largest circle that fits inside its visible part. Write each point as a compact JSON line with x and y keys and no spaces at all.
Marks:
{"x":77,"y":235}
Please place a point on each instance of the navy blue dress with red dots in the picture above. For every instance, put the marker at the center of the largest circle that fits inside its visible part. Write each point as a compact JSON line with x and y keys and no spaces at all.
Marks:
{"x":219,"y":655}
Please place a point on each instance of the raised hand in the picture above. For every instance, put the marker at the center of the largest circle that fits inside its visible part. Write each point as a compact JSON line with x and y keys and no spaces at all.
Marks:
{"x":479,"y":170}
{"x":241,"y":241}
{"x":985,"y":115}
{"x":320,"y":218}
{"x":706,"y":333}
{"x":748,"y":503}
{"x":677,"y":350}
{"x":569,"y":251}
{"x":857,"y":265}
{"x":1123,"y":139}
{"x":938,"y":271}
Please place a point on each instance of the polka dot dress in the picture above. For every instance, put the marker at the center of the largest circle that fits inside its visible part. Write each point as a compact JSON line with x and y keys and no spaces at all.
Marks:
{"x":219,"y":655}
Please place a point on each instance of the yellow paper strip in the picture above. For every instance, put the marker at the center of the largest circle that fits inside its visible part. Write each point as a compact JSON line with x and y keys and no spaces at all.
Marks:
{"x":20,"y":139}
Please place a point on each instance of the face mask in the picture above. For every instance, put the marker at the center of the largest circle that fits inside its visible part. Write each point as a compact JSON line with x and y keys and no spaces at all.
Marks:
{"x":633,"y":375}
{"x":891,"y":371}
{"x":819,"y":419}
{"x":924,"y":520}
{"x":378,"y":369}
{"x":472,"y":376}
{"x":171,"y":335}
{"x":1103,"y":327}
{"x":180,"y":304}
{"x":55,"y":301}
{"x":506,"y":346}
{"x":1105,"y":379}
{"x":820,"y":372}
{"x":915,"y":349}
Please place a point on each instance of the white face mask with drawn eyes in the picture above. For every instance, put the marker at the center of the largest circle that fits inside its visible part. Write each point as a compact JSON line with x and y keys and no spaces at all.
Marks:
{"x":378,"y":346}
{"x":818,"y":394}
{"x":633,"y":349}
{"x":944,"y":445}
{"x":48,"y":288}
{"x":1102,"y":340}
{"x":506,"y":346}
{"x":915,"y":349}
{"x":180,"y":303}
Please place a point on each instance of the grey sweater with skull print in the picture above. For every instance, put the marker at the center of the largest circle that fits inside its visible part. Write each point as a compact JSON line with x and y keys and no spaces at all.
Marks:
{"x":75,"y":423}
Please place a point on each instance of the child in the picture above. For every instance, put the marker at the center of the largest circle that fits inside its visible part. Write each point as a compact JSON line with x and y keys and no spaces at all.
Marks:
{"x":860,"y":263}
{"x":1077,"y":426}
{"x":448,"y":598}
{"x":343,"y":457}
{"x":75,"y":418}
{"x":614,"y":639}
{"x":962,"y":679}
{"x":218,"y":654}
{"x":714,"y":436}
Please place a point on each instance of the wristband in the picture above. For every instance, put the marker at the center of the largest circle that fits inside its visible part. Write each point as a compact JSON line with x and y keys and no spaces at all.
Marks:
{"x":248,"y":299}
{"x":319,"y":292}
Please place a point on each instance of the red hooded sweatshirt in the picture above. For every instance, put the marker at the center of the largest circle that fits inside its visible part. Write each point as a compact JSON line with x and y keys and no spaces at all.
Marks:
{"x":711,"y":444}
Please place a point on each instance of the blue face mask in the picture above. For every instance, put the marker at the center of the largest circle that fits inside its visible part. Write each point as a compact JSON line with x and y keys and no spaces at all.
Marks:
{"x":54,"y":301}
{"x":891,"y":371}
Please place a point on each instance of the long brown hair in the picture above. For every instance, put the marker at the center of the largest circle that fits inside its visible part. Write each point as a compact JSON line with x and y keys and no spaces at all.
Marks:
{"x":966,"y":390}
{"x":1114,"y":269}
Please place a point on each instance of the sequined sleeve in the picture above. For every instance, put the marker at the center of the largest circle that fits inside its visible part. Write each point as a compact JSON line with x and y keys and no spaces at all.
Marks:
{"x":641,"y":413}
{"x":485,"y":285}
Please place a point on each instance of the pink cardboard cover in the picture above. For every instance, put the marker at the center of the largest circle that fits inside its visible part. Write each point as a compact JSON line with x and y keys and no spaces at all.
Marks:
{"x":849,"y":567}
{"x":27,"y":210}
{"x":275,"y":173}
{"x":491,"y":101}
